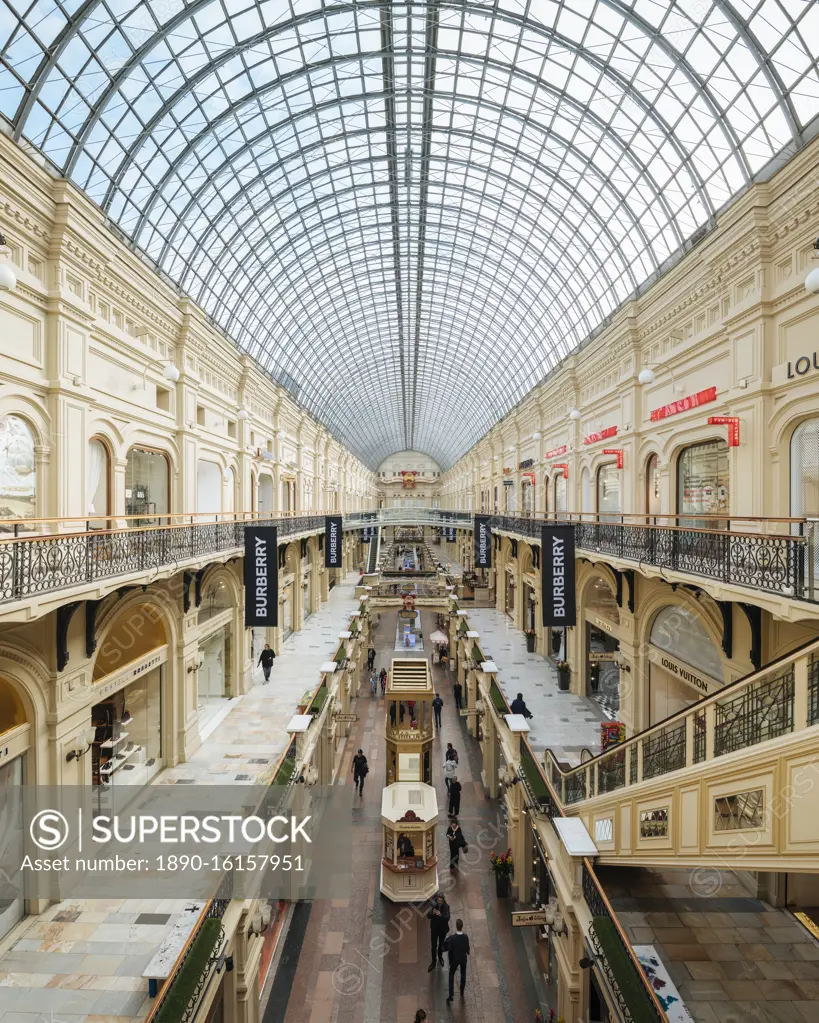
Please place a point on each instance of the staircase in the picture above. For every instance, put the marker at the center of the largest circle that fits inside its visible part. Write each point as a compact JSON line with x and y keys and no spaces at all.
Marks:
{"x":372,"y":557}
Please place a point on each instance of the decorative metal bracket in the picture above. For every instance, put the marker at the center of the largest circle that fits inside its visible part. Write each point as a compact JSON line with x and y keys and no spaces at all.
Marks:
{"x":91,"y":609}
{"x":726,"y":609}
{"x":64,"y":616}
{"x":187,"y":579}
{"x":754,"y":616}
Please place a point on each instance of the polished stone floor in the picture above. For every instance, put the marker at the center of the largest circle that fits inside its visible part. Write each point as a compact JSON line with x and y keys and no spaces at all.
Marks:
{"x":364,"y":959}
{"x":563,"y":722}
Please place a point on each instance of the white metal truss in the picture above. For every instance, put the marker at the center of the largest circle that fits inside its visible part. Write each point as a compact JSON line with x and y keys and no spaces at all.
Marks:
{"x":409,"y":212}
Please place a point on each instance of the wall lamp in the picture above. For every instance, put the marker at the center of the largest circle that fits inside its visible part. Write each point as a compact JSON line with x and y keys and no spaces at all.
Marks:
{"x":242,"y":414}
{"x":575,"y":414}
{"x":88,"y":736}
{"x":587,"y":962}
{"x":170,"y":372}
{"x":196,"y":665}
{"x":648,"y":376}
{"x":554,"y":919}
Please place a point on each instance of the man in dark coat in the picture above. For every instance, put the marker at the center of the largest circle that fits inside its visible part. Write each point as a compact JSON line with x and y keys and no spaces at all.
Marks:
{"x":266,"y":658}
{"x":438,"y":916}
{"x":458,"y":693}
{"x":454,"y":796}
{"x":360,"y":771}
{"x":457,"y":945}
{"x":519,"y":707}
{"x":456,"y":840}
{"x":437,"y":704}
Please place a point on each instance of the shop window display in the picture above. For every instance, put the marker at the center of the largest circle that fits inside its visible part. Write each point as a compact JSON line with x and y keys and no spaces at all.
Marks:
{"x":608,"y":492}
{"x":127,"y":747}
{"x":703,"y":485}
{"x":146,"y":485}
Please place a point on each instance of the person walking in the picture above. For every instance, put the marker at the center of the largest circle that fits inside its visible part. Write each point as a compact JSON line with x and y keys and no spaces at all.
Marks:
{"x":360,"y":771}
{"x":438,"y":916}
{"x":420,"y":1016}
{"x":450,"y":770}
{"x":371,"y":658}
{"x":457,"y":945}
{"x":437,"y":704}
{"x":457,"y":842}
{"x":373,"y":683}
{"x":458,"y":693}
{"x":383,"y":679}
{"x":266,"y":658}
{"x":454,"y":796}
{"x":519,"y":707}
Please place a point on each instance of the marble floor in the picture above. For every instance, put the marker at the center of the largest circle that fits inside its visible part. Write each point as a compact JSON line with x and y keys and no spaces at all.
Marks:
{"x":82,"y":960}
{"x":563,"y":722}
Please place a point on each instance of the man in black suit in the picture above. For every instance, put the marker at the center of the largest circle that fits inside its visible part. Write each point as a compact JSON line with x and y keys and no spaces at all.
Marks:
{"x":457,"y":945}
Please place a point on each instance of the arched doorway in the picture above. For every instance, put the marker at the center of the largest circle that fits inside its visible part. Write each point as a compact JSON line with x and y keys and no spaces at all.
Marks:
{"x":685,"y":664}
{"x":129,"y":711}
{"x":601,"y":627}
{"x":14,"y":739}
{"x":214,"y":678}
{"x":18,"y":469}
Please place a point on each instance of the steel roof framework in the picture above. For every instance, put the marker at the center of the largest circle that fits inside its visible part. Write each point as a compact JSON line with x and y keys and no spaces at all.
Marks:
{"x":408,"y":212}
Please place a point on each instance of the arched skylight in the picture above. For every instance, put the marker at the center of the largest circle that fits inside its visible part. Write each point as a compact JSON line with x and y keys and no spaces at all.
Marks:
{"x":407,"y":213}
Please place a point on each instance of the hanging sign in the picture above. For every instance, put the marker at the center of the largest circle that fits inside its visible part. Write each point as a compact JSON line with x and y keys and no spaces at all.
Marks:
{"x":615,"y":451}
{"x":555,"y":452}
{"x":732,"y":422}
{"x":683,"y":404}
{"x":332,"y":541}
{"x":564,"y":466}
{"x":527,"y":463}
{"x":450,"y":534}
{"x":483,"y":542}
{"x":557,"y":576}
{"x":261,"y":576}
{"x":529,"y":918}
{"x":594,"y":438}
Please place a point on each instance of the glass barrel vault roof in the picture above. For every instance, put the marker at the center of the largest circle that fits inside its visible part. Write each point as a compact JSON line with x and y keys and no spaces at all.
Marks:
{"x":408,"y":212}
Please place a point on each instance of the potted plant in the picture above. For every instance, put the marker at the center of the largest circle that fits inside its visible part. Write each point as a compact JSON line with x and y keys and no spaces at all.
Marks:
{"x":531,"y":639}
{"x":503,"y":868}
{"x":563,"y":675}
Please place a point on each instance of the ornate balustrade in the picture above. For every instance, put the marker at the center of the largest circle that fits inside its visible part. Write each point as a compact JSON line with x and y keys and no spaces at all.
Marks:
{"x":43,"y":563}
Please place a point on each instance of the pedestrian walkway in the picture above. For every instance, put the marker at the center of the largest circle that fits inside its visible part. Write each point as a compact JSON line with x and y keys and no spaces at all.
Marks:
{"x":82,"y":960}
{"x":563,"y":722}
{"x":364,"y":959}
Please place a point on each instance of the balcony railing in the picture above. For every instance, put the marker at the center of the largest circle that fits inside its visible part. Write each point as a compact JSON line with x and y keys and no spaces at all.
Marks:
{"x":757,"y":708}
{"x":773,"y":555}
{"x":46,"y":562}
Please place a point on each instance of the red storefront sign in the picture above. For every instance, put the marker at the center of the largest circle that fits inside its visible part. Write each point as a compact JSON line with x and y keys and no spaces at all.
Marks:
{"x":564,"y":466}
{"x":732,"y":422}
{"x":528,"y":476}
{"x":593,"y":438}
{"x":555,"y":452}
{"x":615,"y":451}
{"x":684,"y":404}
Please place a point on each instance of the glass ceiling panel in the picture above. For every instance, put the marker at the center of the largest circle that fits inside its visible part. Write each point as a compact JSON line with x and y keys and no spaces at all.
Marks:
{"x":408,"y":213}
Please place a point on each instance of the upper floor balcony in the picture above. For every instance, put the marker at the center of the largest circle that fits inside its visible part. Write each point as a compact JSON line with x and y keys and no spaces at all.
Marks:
{"x":46,"y":562}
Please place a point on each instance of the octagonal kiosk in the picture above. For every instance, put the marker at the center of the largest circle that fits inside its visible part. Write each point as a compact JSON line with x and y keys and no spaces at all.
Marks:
{"x":409,"y":805}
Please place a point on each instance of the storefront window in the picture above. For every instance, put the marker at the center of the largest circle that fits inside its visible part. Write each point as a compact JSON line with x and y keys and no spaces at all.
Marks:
{"x":215,"y":600}
{"x":703,"y":485}
{"x":12,"y":904}
{"x":18,"y":474}
{"x":127,"y":748}
{"x":97,"y":480}
{"x":208,"y":489}
{"x":560,"y":494}
{"x":805,"y":469}
{"x":608,"y":492}
{"x":685,"y":664}
{"x":212,"y":676}
{"x":526,"y":494}
{"x":653,"y":486}
{"x":146,"y":486}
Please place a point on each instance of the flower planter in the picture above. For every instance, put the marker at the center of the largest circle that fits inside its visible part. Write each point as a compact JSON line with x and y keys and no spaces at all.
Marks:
{"x":503,"y":885}
{"x":531,"y":640}
{"x":563,"y":678}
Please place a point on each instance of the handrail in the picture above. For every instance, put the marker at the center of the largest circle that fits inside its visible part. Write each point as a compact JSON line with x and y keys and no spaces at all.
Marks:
{"x":793,"y":537}
{"x":679,"y":716}
{"x":185,"y":518}
{"x":608,"y":517}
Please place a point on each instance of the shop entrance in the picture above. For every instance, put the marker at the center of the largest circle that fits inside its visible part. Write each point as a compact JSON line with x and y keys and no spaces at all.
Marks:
{"x":684,"y":663}
{"x":212,"y":679}
{"x":12,"y":903}
{"x":602,"y":673}
{"x":510,"y":594}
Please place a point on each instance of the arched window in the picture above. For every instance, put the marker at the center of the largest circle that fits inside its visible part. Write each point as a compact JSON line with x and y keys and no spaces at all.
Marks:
{"x":208,"y":489}
{"x":805,"y":469}
{"x":585,"y":492}
{"x":18,"y":470}
{"x":98,"y":478}
{"x":560,"y":494}
{"x":266,"y":496}
{"x":609,"y":492}
{"x":703,"y":485}
{"x":653,"y":485}
{"x":147,"y":486}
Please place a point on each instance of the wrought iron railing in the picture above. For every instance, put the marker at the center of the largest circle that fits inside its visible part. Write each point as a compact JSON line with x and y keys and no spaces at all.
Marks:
{"x":615,"y":957}
{"x":771,"y":561}
{"x":757,"y":708}
{"x":45,"y":563}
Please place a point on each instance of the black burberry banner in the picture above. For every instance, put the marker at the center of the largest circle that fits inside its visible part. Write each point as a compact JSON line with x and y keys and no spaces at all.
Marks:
{"x":261,"y":576}
{"x":483,"y":542}
{"x":557,"y":574}
{"x":332,"y":541}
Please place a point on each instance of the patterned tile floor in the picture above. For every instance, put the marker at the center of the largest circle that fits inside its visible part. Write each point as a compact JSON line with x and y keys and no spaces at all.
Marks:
{"x":732,"y":957}
{"x":562,"y":721}
{"x":81,"y":961}
{"x":364,"y":959}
